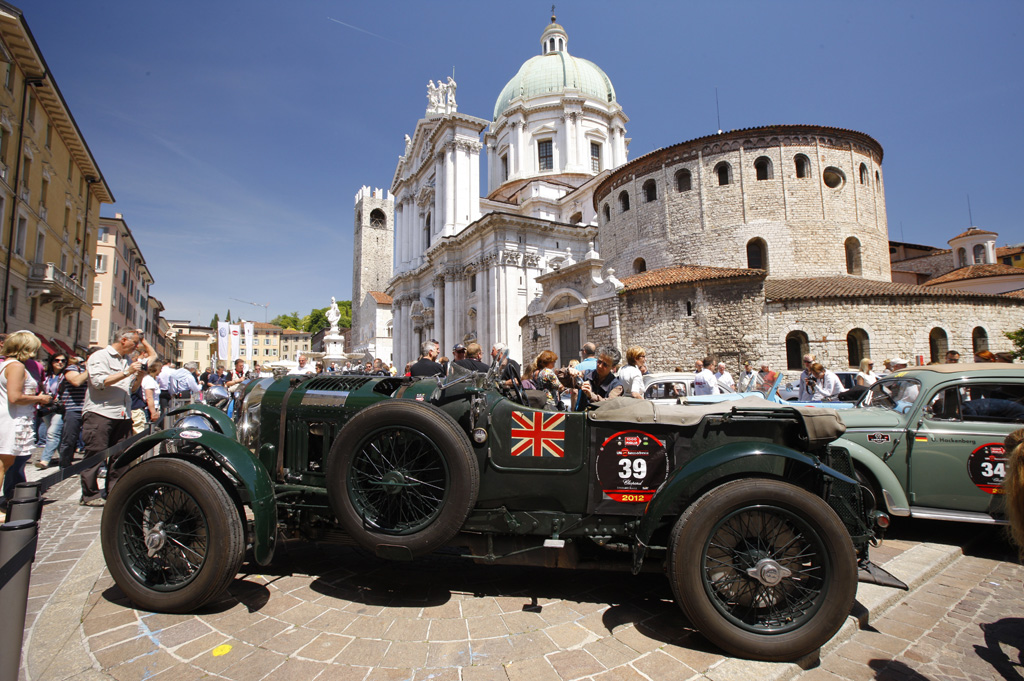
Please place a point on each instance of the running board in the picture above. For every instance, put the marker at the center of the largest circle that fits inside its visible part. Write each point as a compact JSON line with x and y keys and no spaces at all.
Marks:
{"x":869,"y":573}
{"x":958,"y":516}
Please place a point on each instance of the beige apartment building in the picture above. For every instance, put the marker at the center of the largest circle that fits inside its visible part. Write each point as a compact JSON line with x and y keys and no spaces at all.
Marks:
{"x":120,"y":292}
{"x":189,"y":342}
{"x":272,"y":343}
{"x":51,"y":189}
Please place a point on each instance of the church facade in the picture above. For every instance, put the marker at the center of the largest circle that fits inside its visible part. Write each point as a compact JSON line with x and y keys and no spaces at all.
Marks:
{"x":759,"y":244}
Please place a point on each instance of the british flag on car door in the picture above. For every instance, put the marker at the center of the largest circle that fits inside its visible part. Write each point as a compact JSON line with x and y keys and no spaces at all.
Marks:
{"x":537,"y":434}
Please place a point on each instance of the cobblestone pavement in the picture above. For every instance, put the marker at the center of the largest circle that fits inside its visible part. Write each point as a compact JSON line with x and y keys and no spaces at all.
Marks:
{"x":332,"y":612}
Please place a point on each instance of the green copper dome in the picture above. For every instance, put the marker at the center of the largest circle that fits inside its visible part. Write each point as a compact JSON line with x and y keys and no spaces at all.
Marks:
{"x":556,"y":72}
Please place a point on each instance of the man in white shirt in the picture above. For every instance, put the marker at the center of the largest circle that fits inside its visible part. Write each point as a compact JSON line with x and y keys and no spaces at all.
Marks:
{"x":704,"y":382}
{"x":162,"y":380}
{"x":304,"y":367}
{"x":724,"y":378}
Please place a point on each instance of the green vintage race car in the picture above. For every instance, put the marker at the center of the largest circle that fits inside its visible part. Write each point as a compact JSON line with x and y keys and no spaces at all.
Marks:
{"x":928,"y":441}
{"x":757,"y":521}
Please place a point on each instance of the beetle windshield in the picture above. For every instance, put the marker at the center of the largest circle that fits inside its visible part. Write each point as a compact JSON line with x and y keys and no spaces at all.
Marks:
{"x":897,"y":394}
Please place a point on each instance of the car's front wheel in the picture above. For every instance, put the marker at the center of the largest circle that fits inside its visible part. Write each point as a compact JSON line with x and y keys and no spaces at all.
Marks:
{"x":763,"y":568}
{"x":172,"y":536}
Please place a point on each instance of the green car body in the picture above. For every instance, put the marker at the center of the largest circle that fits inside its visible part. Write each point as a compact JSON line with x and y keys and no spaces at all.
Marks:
{"x":404,"y":467}
{"x":940,"y":455}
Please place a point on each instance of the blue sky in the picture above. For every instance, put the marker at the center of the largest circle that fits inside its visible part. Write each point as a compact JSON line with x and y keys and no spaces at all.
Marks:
{"x":234,"y":135}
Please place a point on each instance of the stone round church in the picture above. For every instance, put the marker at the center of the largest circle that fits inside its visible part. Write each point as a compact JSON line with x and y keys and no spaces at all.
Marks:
{"x":759,"y":244}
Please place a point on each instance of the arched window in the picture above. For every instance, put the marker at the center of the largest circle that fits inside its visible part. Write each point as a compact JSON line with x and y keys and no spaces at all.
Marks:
{"x":979,"y":254}
{"x":878,"y":178}
{"x":576,"y":219}
{"x":607,"y":213}
{"x":650,"y":191}
{"x":757,"y":254}
{"x":833,"y":177}
{"x":853,"y":256}
{"x":426,"y":232}
{"x":796,"y":347}
{"x":961,"y":257}
{"x":857,"y":346}
{"x":683,"y":181}
{"x":689,"y":308}
{"x":763,"y":168}
{"x":624,"y":202}
{"x":639,"y":265}
{"x":863,"y":174}
{"x":803,"y":166}
{"x":724,"y":172}
{"x":979,"y":339}
{"x":551,"y":44}
{"x":378,"y":219}
{"x":938,"y":344}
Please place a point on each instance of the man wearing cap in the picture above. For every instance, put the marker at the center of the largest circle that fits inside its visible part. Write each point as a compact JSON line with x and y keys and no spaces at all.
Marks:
{"x":471,"y":358}
{"x":458,"y":353}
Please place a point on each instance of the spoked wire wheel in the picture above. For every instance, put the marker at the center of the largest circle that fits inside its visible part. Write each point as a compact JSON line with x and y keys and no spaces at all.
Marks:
{"x":398,"y":480}
{"x":763,"y":568}
{"x":401,"y":478}
{"x":172,"y":535}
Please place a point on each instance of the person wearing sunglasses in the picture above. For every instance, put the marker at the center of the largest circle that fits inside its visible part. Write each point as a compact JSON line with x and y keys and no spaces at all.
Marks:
{"x":52,"y":414}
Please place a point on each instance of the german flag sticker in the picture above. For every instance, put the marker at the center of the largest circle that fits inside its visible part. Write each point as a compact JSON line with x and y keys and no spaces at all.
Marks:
{"x":920,"y":438}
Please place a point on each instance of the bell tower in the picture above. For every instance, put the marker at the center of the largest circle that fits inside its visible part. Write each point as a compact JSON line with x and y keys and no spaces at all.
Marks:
{"x":372,"y":248}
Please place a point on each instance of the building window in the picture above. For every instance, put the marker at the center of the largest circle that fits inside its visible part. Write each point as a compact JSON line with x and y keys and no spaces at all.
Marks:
{"x":863,"y":174}
{"x":8,"y":75}
{"x":504,"y":167}
{"x":853,"y":256}
{"x":878,"y":178}
{"x":979,"y":254}
{"x":40,"y":246}
{"x":56,"y":322}
{"x":623,"y":202}
{"x":857,"y":346}
{"x":607,"y":213}
{"x":49,"y":133}
{"x":684,"y":182}
{"x":12,"y":305}
{"x":639,"y":265}
{"x":796,"y":347}
{"x":803,"y":166}
{"x":33,"y":305}
{"x":961,"y":257}
{"x":689,"y":308}
{"x":763,"y":168}
{"x":595,"y":157}
{"x":378,"y":219}
{"x":545,"y":159}
{"x":20,"y":237}
{"x":30,"y":115}
{"x":101,"y":263}
{"x":724,"y":172}
{"x":938,"y":344}
{"x":472,"y":283}
{"x":979,"y":339}
{"x":650,"y":191}
{"x":757,"y":254}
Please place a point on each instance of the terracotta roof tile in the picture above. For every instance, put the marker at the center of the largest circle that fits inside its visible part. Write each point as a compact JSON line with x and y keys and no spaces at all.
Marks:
{"x":973,"y":231}
{"x":381,"y":298}
{"x":976,"y":272}
{"x":1019,"y":293}
{"x":1003,"y":251}
{"x":667,"y":276}
{"x":853,"y":287}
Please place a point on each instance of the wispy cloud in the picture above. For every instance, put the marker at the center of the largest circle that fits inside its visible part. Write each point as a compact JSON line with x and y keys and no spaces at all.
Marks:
{"x":363,"y":30}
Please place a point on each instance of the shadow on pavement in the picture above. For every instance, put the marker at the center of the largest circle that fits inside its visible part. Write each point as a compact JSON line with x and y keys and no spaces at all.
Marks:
{"x":999,"y":636}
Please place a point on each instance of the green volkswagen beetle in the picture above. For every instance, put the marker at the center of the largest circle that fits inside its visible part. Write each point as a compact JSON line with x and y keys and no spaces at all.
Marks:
{"x":754,"y":517}
{"x":928,"y":441}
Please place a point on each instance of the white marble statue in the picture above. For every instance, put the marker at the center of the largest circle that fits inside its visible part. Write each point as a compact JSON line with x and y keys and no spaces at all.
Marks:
{"x":451,"y":107}
{"x":435,"y":97}
{"x":333,"y":316}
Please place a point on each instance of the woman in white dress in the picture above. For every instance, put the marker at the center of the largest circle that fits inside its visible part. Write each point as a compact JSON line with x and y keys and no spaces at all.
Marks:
{"x":18,"y":400}
{"x":866,"y":376}
{"x":632,"y":374}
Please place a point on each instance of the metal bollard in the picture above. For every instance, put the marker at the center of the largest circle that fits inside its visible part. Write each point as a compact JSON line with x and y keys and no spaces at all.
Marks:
{"x":27,"y":490}
{"x":17,"y":552}
{"x":25,"y":509}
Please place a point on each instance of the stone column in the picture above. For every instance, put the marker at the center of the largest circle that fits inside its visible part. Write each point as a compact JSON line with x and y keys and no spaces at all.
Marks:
{"x":440,"y":309}
{"x":474,"y":185}
{"x":437,"y":219}
{"x":449,"y":189}
{"x":513,"y":150}
{"x":450,"y":306}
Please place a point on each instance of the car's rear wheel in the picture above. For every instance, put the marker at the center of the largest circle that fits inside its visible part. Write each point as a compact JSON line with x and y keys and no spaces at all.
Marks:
{"x":763,"y":568}
{"x":402,"y":477}
{"x":172,"y":536}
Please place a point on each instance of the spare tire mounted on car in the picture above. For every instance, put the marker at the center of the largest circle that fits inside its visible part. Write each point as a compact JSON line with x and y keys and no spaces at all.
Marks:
{"x":402,"y":478}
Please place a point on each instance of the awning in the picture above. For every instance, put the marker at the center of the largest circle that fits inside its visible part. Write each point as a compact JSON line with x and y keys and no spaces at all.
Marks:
{"x":64,"y":346}
{"x":47,"y":345}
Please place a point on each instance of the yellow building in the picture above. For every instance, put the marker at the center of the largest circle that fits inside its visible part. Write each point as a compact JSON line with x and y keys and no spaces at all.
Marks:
{"x":191,"y":343}
{"x":51,"y":189}
{"x":120,"y":292}
{"x":272,"y":343}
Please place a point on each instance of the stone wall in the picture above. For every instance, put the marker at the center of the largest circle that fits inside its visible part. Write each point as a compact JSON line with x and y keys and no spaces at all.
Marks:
{"x":932,"y":265}
{"x":804,"y":222}
{"x":372,"y":248}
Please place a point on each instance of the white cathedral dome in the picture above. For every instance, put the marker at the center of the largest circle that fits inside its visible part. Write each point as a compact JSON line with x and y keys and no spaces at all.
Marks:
{"x":555,"y":71}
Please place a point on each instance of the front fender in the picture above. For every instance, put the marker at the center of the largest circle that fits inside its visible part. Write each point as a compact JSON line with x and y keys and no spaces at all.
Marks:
{"x":240,"y":464}
{"x":728,"y":461}
{"x":223,"y":422}
{"x":894,"y":497}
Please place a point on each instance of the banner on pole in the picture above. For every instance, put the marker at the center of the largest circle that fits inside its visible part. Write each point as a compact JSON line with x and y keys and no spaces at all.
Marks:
{"x":249,"y":340}
{"x":222,"y":341}
{"x":234,"y":350}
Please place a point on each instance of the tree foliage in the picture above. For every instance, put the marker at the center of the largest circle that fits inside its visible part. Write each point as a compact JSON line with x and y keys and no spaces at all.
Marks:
{"x":1017,"y":337}
{"x":228,"y":318}
{"x":215,"y":320}
{"x":316,"y":319}
{"x":288,"y":321}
